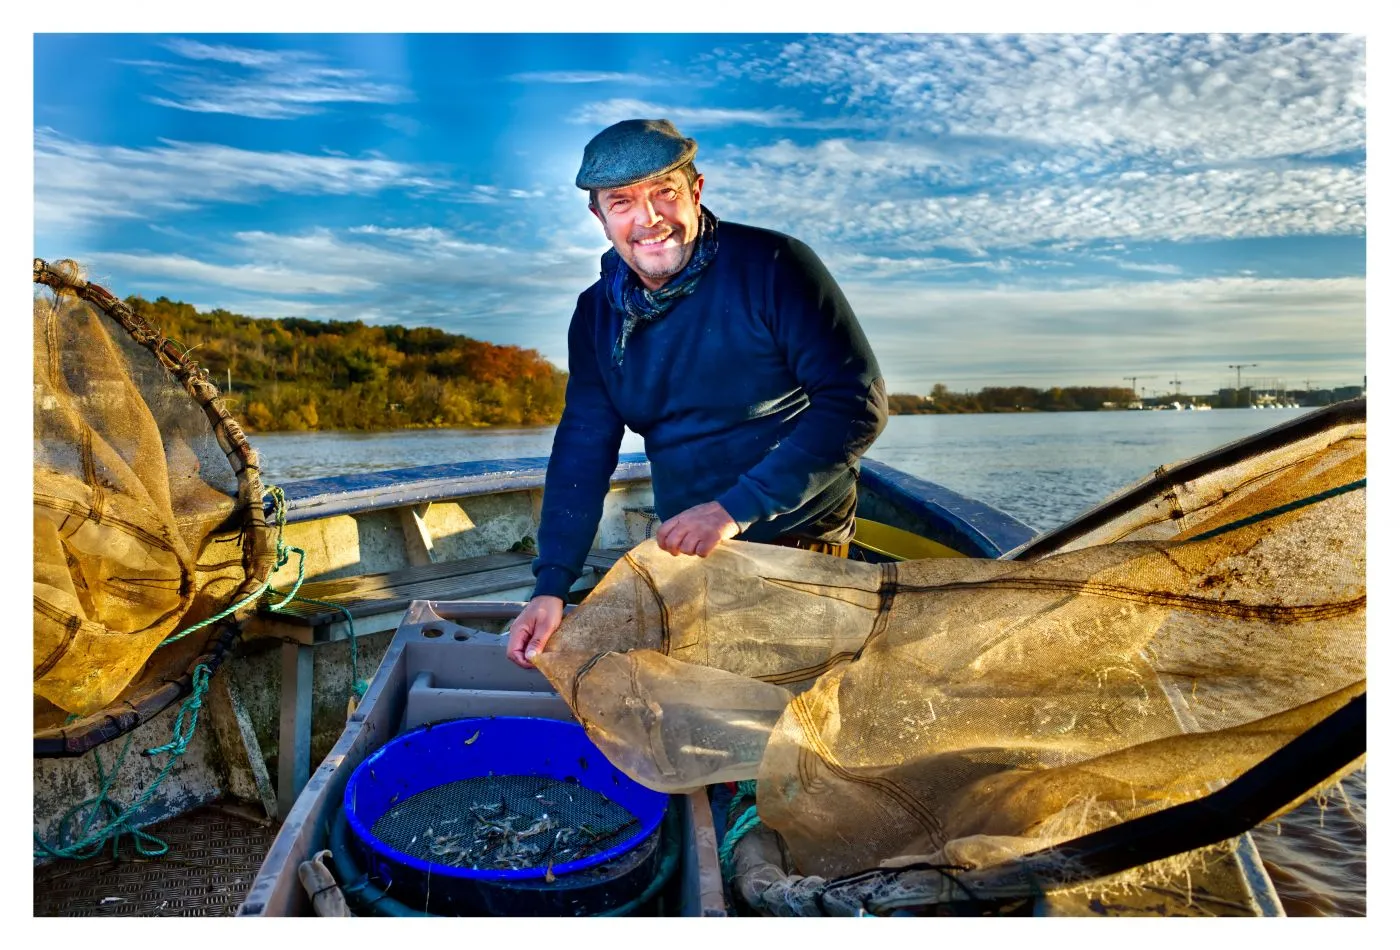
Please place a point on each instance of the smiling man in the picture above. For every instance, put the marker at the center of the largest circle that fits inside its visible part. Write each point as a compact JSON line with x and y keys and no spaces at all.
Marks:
{"x":729,"y":349}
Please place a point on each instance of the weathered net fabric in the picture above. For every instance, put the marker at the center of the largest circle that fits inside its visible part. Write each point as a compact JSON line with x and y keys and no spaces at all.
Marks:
{"x":974,"y":710}
{"x":147,"y":515}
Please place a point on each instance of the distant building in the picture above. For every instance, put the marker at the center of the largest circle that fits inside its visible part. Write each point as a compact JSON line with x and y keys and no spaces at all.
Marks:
{"x":1347,"y":392}
{"x":1230,"y":397}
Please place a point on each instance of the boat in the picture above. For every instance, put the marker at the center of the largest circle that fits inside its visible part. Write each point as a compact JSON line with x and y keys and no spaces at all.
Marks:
{"x":406,"y":579}
{"x":390,"y":548}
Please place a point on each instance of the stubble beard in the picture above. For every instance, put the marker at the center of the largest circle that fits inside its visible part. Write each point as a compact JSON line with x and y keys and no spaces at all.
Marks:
{"x":658,"y":270}
{"x":663,"y":271}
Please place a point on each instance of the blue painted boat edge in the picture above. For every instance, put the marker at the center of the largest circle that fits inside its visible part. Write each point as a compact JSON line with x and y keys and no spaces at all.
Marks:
{"x":963,"y":524}
{"x":308,"y":499}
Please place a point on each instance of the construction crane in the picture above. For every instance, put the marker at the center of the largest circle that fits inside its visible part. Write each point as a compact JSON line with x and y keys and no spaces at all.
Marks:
{"x":1237,"y":367}
{"x":1134,"y":379}
{"x":1177,"y":383}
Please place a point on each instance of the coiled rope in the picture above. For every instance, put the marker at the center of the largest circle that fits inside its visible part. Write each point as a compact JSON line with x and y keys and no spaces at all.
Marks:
{"x":746,"y":821}
{"x":118,"y":823}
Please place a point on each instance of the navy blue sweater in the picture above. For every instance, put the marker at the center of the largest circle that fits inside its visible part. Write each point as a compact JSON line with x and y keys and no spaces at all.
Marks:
{"x":758,"y":390}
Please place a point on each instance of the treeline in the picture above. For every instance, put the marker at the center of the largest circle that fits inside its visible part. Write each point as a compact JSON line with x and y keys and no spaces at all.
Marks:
{"x":1013,"y":399}
{"x":296,"y":374}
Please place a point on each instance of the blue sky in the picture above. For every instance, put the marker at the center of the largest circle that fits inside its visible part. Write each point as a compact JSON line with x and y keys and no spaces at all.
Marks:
{"x":1035,"y":209}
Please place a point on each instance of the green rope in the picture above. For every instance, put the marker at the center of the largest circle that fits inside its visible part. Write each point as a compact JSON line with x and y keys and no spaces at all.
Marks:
{"x":1281,"y":509}
{"x":360,"y":686}
{"x":118,"y":820}
{"x":747,"y":821}
{"x":284,"y":552}
{"x":280,"y":517}
{"x":258,"y":592}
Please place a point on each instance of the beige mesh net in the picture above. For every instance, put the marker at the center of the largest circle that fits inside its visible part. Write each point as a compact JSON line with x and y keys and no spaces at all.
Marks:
{"x":974,"y":710}
{"x":148,"y":513}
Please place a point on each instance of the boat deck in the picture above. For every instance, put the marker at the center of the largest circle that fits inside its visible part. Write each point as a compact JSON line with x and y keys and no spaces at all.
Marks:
{"x":214,"y":855}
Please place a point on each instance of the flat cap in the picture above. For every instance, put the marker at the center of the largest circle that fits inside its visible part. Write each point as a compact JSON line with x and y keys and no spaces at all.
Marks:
{"x":631,"y":151}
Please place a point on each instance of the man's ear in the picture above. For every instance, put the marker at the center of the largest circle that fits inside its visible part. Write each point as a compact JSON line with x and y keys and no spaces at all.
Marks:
{"x":699,"y":183}
{"x":599,"y":215}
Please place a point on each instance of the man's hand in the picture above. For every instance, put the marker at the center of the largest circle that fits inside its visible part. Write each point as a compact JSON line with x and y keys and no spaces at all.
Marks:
{"x":697,"y":530}
{"x":529,"y":631}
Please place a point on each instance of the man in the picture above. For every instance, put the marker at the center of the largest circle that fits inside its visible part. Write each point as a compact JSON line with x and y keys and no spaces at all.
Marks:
{"x":729,"y":349}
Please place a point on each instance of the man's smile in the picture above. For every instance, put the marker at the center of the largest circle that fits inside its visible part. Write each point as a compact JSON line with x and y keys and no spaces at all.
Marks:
{"x":665,"y":240}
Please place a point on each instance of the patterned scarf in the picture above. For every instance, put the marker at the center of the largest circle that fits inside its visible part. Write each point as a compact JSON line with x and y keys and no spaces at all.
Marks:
{"x":637,"y":304}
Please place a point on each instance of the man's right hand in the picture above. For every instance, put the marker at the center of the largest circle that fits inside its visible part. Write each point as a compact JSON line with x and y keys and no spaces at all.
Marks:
{"x":529,"y":631}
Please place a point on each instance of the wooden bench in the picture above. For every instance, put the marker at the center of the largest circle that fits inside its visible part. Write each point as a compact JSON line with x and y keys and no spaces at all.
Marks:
{"x":375,"y":603}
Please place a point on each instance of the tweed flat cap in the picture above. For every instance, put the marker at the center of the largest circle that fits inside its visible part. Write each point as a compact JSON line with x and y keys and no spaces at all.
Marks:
{"x":631,"y":151}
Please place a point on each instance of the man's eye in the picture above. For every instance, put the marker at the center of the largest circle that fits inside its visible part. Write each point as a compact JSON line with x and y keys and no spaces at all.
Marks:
{"x":668,"y":193}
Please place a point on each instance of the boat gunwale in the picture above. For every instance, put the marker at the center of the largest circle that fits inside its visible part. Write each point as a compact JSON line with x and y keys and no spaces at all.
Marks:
{"x":315,"y":498}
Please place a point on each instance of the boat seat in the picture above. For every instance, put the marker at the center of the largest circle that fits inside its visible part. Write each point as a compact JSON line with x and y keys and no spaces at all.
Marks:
{"x":375,"y":602}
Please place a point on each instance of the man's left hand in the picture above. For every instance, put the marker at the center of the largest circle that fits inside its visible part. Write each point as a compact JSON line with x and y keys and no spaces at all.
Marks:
{"x":697,"y":530}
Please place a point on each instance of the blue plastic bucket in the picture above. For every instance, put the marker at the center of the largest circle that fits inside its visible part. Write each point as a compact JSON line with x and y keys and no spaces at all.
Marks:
{"x":446,"y":752}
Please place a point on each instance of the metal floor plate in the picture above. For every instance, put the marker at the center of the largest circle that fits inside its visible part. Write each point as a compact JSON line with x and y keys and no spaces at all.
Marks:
{"x":214,"y":855}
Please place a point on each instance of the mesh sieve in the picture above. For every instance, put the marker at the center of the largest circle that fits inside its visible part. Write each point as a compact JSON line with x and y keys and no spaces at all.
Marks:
{"x":505,"y":821}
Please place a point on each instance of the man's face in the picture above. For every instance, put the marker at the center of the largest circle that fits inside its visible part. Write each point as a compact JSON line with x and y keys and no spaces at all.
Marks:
{"x":653,"y":224}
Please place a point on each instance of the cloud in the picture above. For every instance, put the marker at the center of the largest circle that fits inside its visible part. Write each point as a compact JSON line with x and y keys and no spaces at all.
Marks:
{"x":1185,"y":98}
{"x":260,"y":83}
{"x":696,"y":117}
{"x":416,"y":276}
{"x":261,"y":278}
{"x":252,"y":58}
{"x":76,"y":181}
{"x":1148,"y":268}
{"x":974,"y":337}
{"x":574,"y":77}
{"x":914,"y":198}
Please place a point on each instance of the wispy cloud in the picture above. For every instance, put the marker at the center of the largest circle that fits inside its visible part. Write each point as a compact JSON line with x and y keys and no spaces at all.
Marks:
{"x":261,"y":278}
{"x":1148,"y":268}
{"x":573,"y":77}
{"x":78,"y":181}
{"x":695,"y":117}
{"x":414,"y":276}
{"x":252,"y":58}
{"x":261,"y":83}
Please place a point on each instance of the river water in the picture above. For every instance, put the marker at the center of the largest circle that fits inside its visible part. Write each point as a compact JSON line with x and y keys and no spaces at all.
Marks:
{"x":1043,"y":468}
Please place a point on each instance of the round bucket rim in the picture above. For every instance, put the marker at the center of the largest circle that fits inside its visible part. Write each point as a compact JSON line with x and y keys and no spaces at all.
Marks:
{"x":488,"y":875}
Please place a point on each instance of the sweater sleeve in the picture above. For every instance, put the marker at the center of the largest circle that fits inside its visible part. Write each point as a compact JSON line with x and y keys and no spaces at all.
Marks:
{"x":832,"y":361}
{"x":580,"y":469}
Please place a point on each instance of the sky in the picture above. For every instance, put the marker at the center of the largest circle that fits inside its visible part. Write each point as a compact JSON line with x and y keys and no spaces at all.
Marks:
{"x":1034,"y":209}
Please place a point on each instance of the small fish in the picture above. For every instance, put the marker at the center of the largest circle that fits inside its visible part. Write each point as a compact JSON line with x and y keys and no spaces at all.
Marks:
{"x":476,"y":735}
{"x":544,"y":824}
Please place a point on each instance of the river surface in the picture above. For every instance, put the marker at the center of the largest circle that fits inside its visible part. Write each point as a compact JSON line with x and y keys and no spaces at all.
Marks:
{"x":1043,"y":468}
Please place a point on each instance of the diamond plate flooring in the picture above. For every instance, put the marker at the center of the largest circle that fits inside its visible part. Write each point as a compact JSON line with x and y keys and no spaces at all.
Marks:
{"x":215,"y":852}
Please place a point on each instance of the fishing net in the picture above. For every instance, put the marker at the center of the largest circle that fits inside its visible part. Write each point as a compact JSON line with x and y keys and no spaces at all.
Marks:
{"x":968,"y":711}
{"x":148,"y":516}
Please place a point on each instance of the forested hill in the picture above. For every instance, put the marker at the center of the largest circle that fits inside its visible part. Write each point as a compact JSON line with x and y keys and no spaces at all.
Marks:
{"x":295,"y":374}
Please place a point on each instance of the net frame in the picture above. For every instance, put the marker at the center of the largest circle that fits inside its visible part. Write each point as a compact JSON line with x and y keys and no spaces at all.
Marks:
{"x":257,"y":534}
